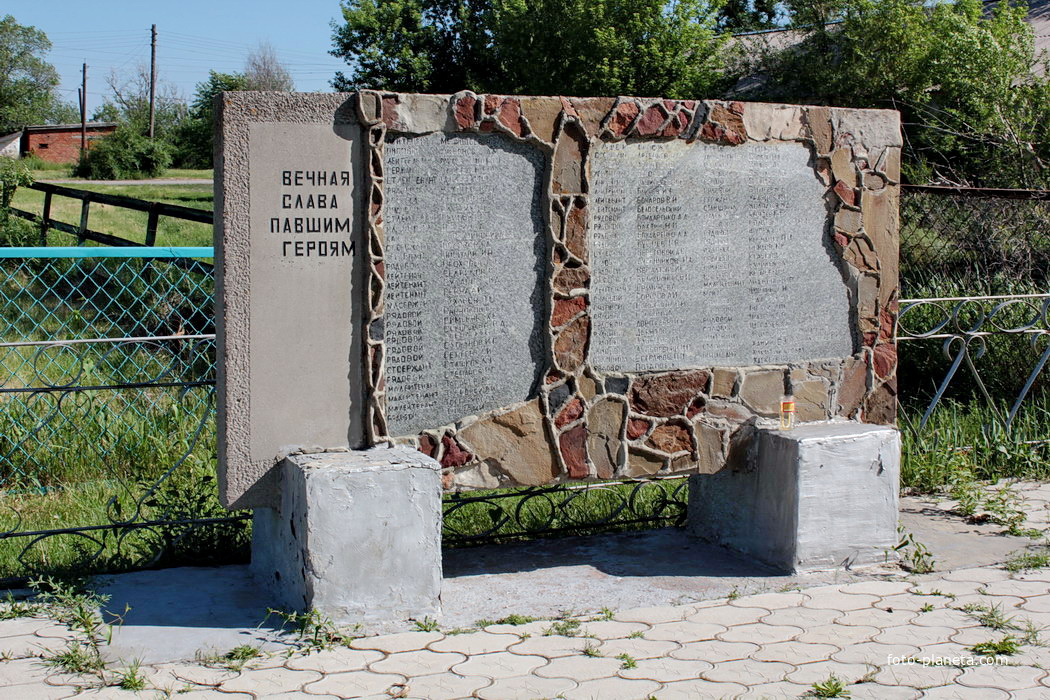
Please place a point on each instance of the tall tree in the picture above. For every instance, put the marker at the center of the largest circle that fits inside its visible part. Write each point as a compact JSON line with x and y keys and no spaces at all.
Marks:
{"x":129,"y":103}
{"x":412,"y":45}
{"x":974,"y":112}
{"x":583,"y":47}
{"x":606,"y":47}
{"x":194,"y":140}
{"x":263,"y":70}
{"x":27,"y":81}
{"x":750,"y":15}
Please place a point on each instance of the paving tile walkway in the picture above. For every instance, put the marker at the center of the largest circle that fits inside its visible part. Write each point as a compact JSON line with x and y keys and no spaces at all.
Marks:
{"x":902,"y":636}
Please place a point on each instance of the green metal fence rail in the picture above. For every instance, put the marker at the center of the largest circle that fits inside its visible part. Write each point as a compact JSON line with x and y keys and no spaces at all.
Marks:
{"x":107,"y":438}
{"x":154,"y":210}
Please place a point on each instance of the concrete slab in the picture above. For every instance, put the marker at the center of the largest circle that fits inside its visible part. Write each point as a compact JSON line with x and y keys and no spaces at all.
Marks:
{"x":176,"y":612}
{"x":953,"y":542}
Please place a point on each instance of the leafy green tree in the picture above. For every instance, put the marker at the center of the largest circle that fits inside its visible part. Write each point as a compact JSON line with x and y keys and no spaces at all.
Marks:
{"x":27,"y":81}
{"x":194,"y":138}
{"x":413,"y":45}
{"x":596,"y":47}
{"x":606,"y":47}
{"x":973,"y":110}
{"x":750,"y":15}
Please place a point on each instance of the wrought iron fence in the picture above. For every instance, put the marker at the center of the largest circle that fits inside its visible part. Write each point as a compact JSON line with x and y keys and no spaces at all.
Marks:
{"x":974,"y":333}
{"x":107,"y":440}
{"x":478,"y":518}
{"x":994,"y":347}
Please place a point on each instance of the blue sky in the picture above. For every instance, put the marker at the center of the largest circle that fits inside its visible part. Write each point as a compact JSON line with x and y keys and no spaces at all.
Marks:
{"x":193,"y":36}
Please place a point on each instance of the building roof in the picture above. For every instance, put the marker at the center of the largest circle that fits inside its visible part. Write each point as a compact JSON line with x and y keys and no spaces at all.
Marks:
{"x":69,"y":127}
{"x":1039,"y":18}
{"x":8,"y":139}
{"x":778,"y":39}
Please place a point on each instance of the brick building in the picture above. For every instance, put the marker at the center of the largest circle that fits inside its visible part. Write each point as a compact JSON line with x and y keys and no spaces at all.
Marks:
{"x":60,"y":143}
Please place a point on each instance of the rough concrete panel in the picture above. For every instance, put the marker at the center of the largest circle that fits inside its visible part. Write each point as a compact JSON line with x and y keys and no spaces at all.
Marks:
{"x":357,"y":536}
{"x":286,"y":322}
{"x":819,"y":496}
{"x":869,"y":129}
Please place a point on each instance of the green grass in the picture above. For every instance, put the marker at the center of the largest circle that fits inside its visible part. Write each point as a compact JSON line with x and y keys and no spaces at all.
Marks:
{"x":42,"y":170}
{"x":1007,"y":646}
{"x":126,"y":223}
{"x":832,"y":687}
{"x":548,"y":512}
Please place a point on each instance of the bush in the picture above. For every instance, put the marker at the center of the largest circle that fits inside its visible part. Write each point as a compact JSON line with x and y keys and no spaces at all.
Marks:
{"x":124,"y":154}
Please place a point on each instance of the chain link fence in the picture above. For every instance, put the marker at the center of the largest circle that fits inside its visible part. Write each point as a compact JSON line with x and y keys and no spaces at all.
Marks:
{"x":966,"y":242}
{"x":107,"y":427}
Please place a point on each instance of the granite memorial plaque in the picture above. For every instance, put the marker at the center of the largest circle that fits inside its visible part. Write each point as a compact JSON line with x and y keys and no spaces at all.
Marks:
{"x":464,"y":260}
{"x":705,"y":255}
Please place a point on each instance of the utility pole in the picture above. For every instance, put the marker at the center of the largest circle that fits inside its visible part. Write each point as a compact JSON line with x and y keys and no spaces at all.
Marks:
{"x":152,"y":76}
{"x":83,"y":113}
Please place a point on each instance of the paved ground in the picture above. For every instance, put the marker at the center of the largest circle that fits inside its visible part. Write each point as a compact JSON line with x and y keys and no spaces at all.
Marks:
{"x":890,"y":636}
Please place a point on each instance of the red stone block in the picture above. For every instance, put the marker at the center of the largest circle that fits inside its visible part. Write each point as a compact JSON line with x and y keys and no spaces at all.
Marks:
{"x":637,"y":428}
{"x":651,"y":122}
{"x":625,"y":114}
{"x":464,"y":112}
{"x":565,"y":309}
{"x":455,"y":455}
{"x":573,"y":445}
{"x":571,"y":412}
{"x":389,"y":111}
{"x":845,"y":193}
{"x":667,"y":394}
{"x":510,"y":116}
{"x":885,"y":359}
{"x":427,"y":445}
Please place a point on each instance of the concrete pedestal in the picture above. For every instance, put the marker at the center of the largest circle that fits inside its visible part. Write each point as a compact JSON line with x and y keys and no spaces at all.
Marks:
{"x":820,"y":496}
{"x":357,"y":536}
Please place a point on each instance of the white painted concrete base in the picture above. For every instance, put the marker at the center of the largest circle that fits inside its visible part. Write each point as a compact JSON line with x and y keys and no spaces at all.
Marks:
{"x":357,"y":536}
{"x":819,"y":496}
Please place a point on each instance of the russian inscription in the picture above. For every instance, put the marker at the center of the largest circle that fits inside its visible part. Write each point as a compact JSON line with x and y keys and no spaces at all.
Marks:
{"x":303,"y":277}
{"x":711,"y":256}
{"x":464,"y":256}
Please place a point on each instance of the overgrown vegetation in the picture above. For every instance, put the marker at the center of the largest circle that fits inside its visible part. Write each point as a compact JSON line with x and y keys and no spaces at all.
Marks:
{"x":973,"y":109}
{"x":831,"y":687}
{"x":1007,"y":646}
{"x":915,"y":557}
{"x":616,"y":47}
{"x":72,"y":603}
{"x":312,"y":630}
{"x":126,"y":154}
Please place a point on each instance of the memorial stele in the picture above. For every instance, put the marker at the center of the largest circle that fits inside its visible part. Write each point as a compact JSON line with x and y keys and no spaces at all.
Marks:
{"x":541,"y":289}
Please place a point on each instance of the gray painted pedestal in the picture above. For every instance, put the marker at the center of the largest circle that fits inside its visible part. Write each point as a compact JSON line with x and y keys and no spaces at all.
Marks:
{"x":357,"y":536}
{"x":820,"y":496}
